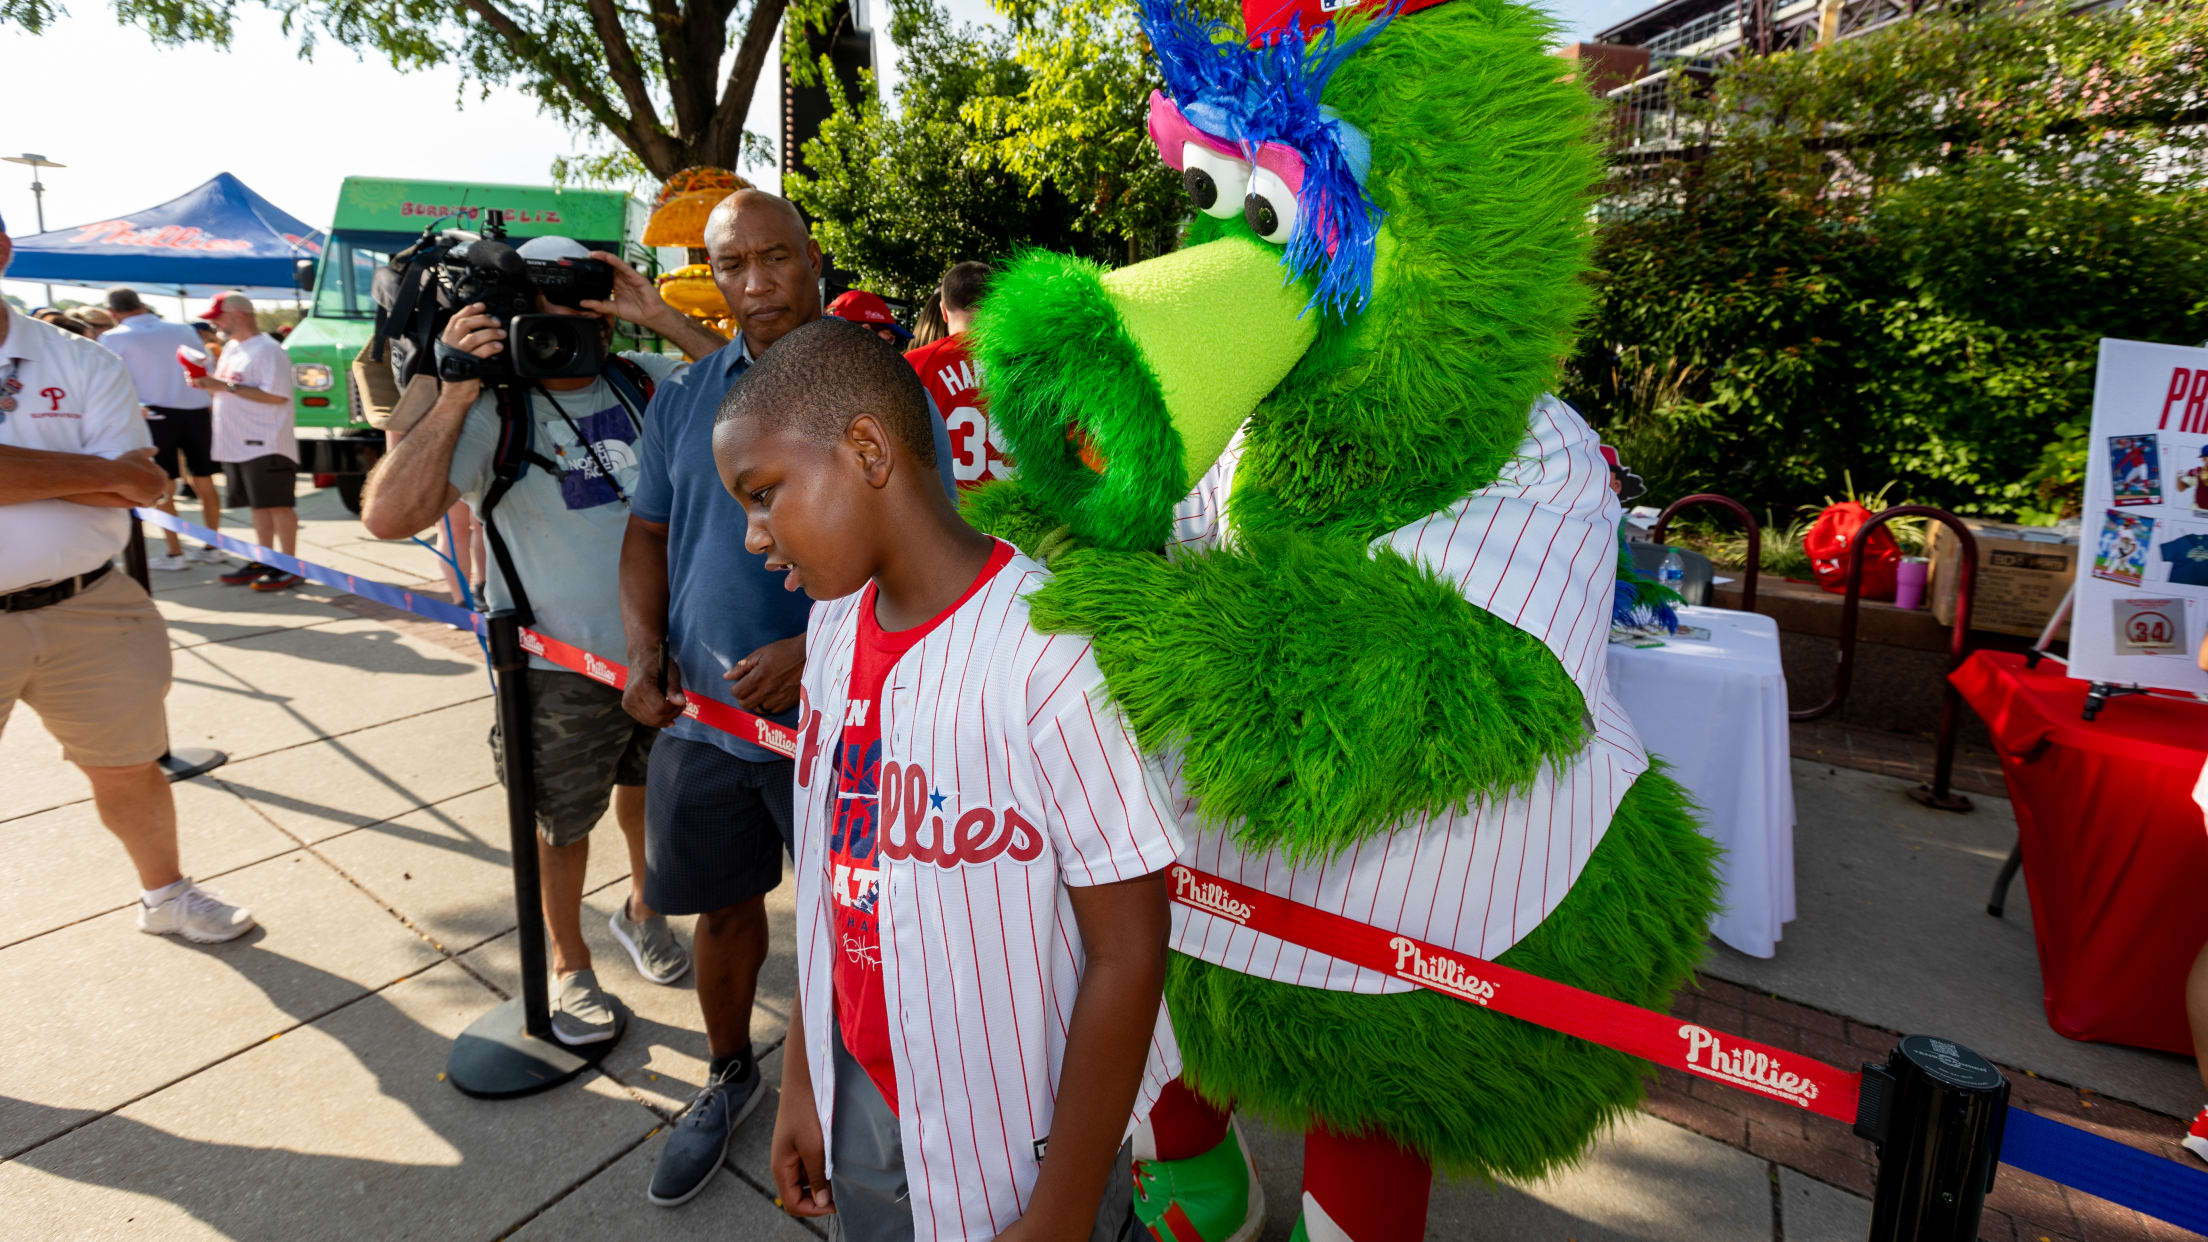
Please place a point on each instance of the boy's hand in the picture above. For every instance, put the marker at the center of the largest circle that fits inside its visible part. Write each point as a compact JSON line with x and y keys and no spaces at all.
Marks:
{"x":642,"y":698}
{"x":797,"y":1155}
{"x":766,"y":681}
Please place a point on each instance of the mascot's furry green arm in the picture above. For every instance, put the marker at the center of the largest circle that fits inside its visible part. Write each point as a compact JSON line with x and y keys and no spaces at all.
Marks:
{"x":1375,"y":640}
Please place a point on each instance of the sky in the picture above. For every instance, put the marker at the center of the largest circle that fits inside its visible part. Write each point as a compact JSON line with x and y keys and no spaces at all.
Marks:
{"x":292,"y":128}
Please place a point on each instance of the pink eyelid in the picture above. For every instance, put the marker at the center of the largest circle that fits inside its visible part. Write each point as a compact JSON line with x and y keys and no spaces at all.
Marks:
{"x":1171,"y":131}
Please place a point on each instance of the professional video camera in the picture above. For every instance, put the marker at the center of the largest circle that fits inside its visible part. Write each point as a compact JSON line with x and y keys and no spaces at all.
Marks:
{"x":422,"y":287}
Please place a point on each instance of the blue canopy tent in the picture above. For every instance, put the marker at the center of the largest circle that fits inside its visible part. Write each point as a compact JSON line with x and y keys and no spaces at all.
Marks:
{"x":220,"y":235}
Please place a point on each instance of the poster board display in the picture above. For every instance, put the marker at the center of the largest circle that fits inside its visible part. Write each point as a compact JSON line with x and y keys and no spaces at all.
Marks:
{"x":2142,"y":594}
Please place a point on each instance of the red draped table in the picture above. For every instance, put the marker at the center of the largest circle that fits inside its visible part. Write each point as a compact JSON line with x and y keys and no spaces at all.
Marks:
{"x":2115,"y":852}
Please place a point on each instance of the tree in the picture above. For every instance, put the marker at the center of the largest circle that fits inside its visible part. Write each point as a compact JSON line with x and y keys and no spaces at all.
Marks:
{"x":1894,"y":255}
{"x":648,"y":75}
{"x":1079,"y":122}
{"x":899,"y":198}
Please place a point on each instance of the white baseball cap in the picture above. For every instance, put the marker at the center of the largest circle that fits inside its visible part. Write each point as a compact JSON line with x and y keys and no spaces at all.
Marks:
{"x":550,"y":247}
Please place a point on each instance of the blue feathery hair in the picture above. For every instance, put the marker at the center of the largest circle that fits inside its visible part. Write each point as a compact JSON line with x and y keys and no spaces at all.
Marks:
{"x":1271,"y":93}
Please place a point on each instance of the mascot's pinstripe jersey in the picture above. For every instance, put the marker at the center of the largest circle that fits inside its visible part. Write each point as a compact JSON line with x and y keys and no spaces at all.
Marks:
{"x":1372,"y":660}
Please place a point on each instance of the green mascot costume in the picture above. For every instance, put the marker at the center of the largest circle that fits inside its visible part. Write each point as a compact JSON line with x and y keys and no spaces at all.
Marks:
{"x":1372,"y":654}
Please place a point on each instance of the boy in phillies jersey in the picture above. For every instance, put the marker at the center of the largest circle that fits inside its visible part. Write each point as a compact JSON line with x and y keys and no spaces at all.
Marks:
{"x":981,"y":851}
{"x":977,"y":451}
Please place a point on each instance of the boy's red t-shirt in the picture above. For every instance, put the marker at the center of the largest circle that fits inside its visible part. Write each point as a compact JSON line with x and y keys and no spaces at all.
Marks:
{"x":949,"y":373}
{"x":862,"y":1008}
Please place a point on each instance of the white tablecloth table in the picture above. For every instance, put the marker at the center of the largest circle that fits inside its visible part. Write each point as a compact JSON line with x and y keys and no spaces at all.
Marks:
{"x":1715,"y":711}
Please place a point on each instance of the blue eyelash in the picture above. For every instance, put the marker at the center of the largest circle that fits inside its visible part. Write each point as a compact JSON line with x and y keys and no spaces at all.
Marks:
{"x":1272,"y":94}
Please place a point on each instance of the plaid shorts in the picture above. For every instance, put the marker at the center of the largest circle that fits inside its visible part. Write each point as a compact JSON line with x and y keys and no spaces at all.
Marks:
{"x":585,"y":744}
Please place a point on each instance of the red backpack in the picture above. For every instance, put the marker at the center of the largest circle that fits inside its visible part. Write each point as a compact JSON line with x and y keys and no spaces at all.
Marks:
{"x":1828,"y":542}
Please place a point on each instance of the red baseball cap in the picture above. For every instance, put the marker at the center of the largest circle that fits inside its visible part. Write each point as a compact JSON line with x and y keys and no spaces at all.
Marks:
{"x":1263,"y":19}
{"x":859,"y":306}
{"x":222,"y":303}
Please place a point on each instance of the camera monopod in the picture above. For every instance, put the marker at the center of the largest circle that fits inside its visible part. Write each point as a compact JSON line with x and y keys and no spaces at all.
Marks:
{"x":511,"y":1050}
{"x":177,"y":765}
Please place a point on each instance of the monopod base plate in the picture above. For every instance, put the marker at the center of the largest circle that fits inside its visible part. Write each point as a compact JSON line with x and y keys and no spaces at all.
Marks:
{"x":1950,"y":801}
{"x":497,"y":1058}
{"x":183,"y":765}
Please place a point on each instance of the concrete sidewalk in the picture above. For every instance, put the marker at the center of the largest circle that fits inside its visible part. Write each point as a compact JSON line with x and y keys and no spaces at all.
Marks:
{"x":289,"y":1085}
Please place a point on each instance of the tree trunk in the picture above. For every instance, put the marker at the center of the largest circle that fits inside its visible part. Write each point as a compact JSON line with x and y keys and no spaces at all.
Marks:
{"x":709,"y":129}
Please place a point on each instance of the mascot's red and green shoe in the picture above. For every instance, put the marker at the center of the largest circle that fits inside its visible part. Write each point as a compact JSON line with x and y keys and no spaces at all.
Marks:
{"x":1372,"y":658}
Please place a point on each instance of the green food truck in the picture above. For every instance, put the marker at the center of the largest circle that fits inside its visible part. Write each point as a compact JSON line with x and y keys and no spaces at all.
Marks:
{"x":375,"y":218}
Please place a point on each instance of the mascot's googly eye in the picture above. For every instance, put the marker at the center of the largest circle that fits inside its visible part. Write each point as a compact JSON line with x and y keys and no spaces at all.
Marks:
{"x":1270,"y":207}
{"x":1216,"y":183}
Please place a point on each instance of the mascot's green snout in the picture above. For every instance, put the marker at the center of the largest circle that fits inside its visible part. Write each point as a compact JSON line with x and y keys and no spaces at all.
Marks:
{"x":1178,"y":350}
{"x":1372,"y":660}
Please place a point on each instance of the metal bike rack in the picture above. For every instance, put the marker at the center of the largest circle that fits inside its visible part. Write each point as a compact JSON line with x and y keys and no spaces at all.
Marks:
{"x":1747,"y":519}
{"x":1936,"y":795}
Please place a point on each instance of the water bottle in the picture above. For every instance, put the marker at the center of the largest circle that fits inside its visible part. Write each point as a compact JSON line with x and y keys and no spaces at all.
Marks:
{"x":1674,"y":573}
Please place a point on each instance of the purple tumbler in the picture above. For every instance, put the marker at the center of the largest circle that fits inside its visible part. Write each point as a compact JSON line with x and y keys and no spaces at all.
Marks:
{"x":1909,"y":582}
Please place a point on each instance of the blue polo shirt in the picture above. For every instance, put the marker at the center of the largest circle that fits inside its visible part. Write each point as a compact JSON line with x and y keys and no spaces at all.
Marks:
{"x":722,"y":604}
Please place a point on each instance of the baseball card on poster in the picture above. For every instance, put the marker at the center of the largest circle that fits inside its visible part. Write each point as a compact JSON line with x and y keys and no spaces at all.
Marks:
{"x":2142,"y":591}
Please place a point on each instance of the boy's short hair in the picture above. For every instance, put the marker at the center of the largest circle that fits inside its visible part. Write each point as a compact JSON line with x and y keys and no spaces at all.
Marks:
{"x":820,"y":376}
{"x":964,"y":285}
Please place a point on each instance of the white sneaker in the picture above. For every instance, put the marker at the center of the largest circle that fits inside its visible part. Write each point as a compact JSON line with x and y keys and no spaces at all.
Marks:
{"x":176,"y":561}
{"x":206,"y":555}
{"x":195,"y":914}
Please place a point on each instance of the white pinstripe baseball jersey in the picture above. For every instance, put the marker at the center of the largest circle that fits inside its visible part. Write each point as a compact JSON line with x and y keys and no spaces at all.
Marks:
{"x":1537,"y":548}
{"x":1006,"y":776}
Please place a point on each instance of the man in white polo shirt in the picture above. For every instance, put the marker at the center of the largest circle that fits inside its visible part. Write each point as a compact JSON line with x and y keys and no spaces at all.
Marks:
{"x":182,"y":427}
{"x":254,"y":439}
{"x":79,"y":643}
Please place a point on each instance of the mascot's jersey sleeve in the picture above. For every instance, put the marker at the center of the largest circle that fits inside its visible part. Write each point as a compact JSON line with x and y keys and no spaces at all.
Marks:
{"x":1537,"y":548}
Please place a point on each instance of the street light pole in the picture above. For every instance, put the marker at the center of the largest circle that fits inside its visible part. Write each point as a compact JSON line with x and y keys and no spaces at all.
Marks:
{"x":38,"y":197}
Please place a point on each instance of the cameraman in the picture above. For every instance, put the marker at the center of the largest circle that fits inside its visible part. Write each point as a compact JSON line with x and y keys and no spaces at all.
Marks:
{"x":562,"y":521}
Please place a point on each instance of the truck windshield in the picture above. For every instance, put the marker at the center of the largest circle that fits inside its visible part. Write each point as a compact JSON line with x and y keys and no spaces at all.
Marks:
{"x":348,"y":269}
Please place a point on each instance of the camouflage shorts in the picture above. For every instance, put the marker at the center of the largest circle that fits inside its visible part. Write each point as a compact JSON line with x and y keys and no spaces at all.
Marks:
{"x":585,"y":744}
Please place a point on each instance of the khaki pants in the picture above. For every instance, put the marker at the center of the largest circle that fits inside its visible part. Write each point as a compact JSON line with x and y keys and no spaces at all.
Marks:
{"x":95,"y":667}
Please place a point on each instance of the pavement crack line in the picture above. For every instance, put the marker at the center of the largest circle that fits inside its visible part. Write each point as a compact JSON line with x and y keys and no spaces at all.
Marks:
{"x":317,"y":740}
{"x":307,"y":1021}
{"x":297,"y":846}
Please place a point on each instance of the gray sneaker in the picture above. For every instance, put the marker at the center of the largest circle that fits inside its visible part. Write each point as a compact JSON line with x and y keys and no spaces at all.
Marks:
{"x":652,"y":945}
{"x":699,"y":1141}
{"x":582,"y":1013}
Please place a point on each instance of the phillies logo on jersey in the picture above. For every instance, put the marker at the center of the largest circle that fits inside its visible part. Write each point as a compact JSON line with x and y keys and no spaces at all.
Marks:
{"x":1744,"y":1067}
{"x":806,"y":746}
{"x":977,"y":835}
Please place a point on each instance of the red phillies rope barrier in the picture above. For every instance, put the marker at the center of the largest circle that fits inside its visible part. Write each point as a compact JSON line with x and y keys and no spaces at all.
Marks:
{"x":779,"y":738}
{"x":1719,"y":1056}
{"x":1716,"y":1055}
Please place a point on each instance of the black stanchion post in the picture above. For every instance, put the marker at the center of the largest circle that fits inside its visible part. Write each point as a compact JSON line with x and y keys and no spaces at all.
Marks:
{"x":177,"y":765}
{"x":1936,"y":1111}
{"x":511,"y":1050}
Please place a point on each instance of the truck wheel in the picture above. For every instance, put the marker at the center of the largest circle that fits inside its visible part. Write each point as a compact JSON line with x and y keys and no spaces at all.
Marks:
{"x":348,"y":491}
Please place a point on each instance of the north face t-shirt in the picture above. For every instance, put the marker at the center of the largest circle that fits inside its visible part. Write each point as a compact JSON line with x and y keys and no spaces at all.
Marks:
{"x":563,"y":526}
{"x":2188,"y":558}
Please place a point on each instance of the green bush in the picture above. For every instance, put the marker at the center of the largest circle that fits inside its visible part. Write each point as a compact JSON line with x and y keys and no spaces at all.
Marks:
{"x":1897,"y":257}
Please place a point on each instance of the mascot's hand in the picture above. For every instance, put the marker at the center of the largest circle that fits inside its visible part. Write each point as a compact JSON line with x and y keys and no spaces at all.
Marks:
{"x":1007,"y":510}
{"x":1320,"y":691}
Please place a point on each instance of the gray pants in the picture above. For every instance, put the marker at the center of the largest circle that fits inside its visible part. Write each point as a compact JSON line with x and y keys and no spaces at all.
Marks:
{"x":872,"y":1201}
